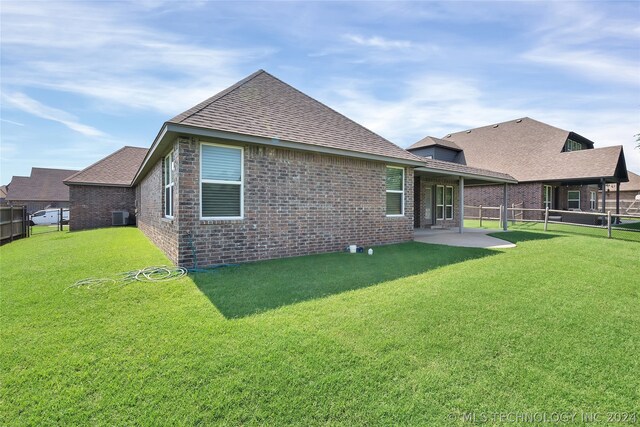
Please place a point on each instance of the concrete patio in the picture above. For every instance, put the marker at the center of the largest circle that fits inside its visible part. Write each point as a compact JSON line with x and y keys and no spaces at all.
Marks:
{"x":470,"y":238}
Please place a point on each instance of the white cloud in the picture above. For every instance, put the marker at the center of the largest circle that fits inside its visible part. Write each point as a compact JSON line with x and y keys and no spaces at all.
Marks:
{"x":31,"y":106}
{"x":378,"y":42}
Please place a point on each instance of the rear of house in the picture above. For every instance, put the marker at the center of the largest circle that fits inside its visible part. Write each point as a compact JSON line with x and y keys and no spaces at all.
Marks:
{"x":263,"y":171}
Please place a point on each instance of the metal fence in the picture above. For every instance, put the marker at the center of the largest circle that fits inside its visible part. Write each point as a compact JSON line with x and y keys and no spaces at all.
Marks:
{"x":14,"y":223}
{"x":611,"y":225}
{"x":60,"y":224}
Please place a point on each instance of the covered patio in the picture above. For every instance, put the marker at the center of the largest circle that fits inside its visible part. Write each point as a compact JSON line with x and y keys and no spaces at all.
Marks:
{"x":439,"y":194}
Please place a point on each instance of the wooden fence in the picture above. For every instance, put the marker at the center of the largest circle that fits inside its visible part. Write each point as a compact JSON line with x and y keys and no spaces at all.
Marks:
{"x":14,"y":223}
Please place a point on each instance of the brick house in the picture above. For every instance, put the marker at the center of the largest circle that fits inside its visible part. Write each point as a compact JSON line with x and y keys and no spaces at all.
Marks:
{"x":555,"y":168}
{"x":44,"y":188}
{"x":629,"y":193}
{"x":103,"y":188}
{"x":263,"y":171}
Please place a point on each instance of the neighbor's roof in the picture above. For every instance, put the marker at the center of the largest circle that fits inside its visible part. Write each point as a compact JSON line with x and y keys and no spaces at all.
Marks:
{"x":632,"y":185}
{"x":3,"y":191}
{"x":117,"y":169}
{"x":264,"y":106}
{"x":43,"y":185}
{"x":431,"y":141}
{"x":530,"y":150}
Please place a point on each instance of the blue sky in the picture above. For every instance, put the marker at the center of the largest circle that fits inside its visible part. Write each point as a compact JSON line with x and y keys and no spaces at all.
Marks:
{"x":81,"y":79}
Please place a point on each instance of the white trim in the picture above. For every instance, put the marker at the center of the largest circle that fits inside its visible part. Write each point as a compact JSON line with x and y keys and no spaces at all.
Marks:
{"x":593,"y":200}
{"x":444,"y":203}
{"x":395,"y":192}
{"x":215,"y":181}
{"x":168,"y":158}
{"x":547,"y":201}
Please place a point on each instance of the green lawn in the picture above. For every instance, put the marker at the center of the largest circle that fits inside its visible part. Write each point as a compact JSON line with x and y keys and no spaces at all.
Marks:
{"x":407,"y":336}
{"x":630,"y":231}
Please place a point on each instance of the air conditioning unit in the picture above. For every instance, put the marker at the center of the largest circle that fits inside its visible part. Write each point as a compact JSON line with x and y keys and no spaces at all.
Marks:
{"x":119,"y":218}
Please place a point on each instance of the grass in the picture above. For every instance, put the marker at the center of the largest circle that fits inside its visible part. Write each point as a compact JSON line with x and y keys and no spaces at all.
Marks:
{"x":630,"y":231}
{"x":39,"y":229}
{"x":408,"y":336}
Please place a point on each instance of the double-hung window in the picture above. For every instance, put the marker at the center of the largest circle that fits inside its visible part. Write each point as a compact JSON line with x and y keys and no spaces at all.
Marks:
{"x":221,"y":181}
{"x":573,"y":199}
{"x":168,"y":185}
{"x":593,"y":204}
{"x":395,"y":191}
{"x":444,"y":202}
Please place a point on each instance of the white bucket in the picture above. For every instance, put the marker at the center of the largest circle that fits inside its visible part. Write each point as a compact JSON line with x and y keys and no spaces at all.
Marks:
{"x":352,"y":249}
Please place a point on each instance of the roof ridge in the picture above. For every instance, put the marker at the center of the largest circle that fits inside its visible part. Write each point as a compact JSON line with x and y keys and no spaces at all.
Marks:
{"x":68,"y":179}
{"x":207,"y":102}
{"x":497,"y":125}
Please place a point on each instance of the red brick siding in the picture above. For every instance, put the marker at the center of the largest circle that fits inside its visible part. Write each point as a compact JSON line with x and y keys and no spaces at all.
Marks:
{"x":530,"y":194}
{"x":149,"y":199}
{"x":295,"y":203}
{"x":91,"y":206}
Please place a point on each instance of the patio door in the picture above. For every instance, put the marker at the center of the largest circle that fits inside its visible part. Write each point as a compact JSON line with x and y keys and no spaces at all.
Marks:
{"x":428,"y":205}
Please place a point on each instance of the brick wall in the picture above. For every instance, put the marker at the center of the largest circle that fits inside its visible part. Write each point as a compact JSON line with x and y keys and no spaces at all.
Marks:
{"x":295,"y":203}
{"x":149,"y":203}
{"x":91,"y":205}
{"x":529,"y":193}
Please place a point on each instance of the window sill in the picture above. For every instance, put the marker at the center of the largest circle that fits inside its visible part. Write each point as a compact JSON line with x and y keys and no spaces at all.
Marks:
{"x":220,"y":221}
{"x":167,"y":219}
{"x":394,"y":216}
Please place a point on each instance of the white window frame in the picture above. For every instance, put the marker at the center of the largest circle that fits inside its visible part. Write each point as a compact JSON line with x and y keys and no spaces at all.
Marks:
{"x":573,"y":145}
{"x":593,"y":200}
{"x":217,"y":181}
{"x":443,"y":190}
{"x":547,"y":198}
{"x":569,"y":200}
{"x":168,"y":183}
{"x":401,"y":192}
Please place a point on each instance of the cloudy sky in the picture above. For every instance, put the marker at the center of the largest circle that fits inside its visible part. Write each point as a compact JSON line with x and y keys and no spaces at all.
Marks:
{"x":81,"y":79}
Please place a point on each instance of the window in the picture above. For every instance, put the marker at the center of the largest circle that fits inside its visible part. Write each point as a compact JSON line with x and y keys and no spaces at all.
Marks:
{"x":573,"y":197}
{"x":168,"y":185}
{"x":593,"y":200}
{"x":548,"y":196}
{"x":572,"y":145}
{"x":221,"y":182}
{"x":395,"y":191}
{"x":444,"y":202}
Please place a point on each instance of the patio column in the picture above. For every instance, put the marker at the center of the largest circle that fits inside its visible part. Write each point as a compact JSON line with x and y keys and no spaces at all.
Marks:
{"x":603,"y":185}
{"x":504,"y":203}
{"x":618,"y":198}
{"x":461,"y":194}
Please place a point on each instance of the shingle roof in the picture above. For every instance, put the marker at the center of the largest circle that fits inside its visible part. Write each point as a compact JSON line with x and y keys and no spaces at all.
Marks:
{"x":117,"y":169}
{"x":457,"y":168}
{"x":530,"y":150}
{"x":43,"y":185}
{"x":264,"y":106}
{"x":430,"y":141}
{"x":632,"y":185}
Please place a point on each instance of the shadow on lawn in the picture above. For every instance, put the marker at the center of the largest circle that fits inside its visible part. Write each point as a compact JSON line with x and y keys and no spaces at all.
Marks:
{"x":517,"y":236}
{"x":257,"y":287}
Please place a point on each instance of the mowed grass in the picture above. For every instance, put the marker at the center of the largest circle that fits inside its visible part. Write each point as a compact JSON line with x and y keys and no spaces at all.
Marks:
{"x":628,"y":231}
{"x":414,"y":335}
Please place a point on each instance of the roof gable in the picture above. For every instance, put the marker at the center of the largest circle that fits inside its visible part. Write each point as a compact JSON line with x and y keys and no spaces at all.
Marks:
{"x":264,"y":106}
{"x":44,"y":184}
{"x":431,"y":141}
{"x":117,"y":169}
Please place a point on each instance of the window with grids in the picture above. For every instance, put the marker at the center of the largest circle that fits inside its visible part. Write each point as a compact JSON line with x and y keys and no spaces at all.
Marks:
{"x":573,"y":199}
{"x":593,"y":203}
{"x":548,"y":196}
{"x":444,"y":202}
{"x":221,"y":181}
{"x":168,"y":185}
{"x":395,"y":191}
{"x":573,"y":145}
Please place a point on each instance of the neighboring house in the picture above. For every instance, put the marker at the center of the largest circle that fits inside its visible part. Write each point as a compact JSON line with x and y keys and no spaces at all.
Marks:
{"x":262,"y":171}
{"x":42,"y":189}
{"x":103,"y":188}
{"x":629,"y":191}
{"x":3,"y":193}
{"x":554,"y":168}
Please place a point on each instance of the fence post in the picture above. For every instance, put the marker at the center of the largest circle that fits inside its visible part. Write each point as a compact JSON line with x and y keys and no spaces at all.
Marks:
{"x":546,"y":218}
{"x":609,"y":224}
{"x":480,"y":216}
{"x":513,"y":214}
{"x":500,"y":215}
